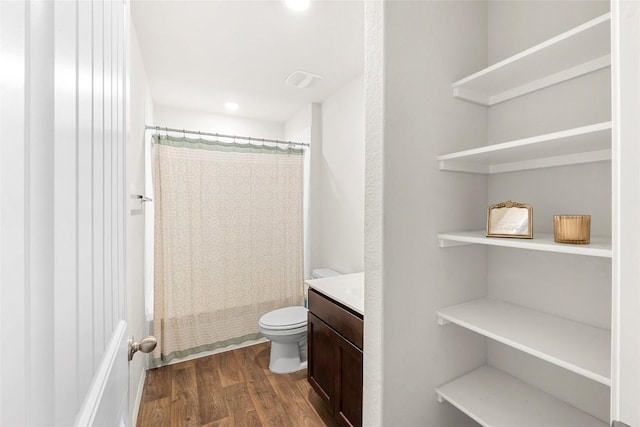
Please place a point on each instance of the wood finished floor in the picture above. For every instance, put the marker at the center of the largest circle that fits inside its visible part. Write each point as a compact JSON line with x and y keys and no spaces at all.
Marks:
{"x":234,"y":388}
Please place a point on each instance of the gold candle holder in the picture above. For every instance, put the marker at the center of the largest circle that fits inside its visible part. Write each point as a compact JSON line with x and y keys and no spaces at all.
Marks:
{"x":573,"y":229}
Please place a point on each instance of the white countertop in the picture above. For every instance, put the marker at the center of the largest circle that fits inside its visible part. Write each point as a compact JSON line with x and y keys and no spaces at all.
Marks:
{"x":347,"y":289}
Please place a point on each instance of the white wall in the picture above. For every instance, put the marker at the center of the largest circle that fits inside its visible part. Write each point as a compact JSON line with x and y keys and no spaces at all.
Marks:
{"x":298,"y":123}
{"x":427,"y":45}
{"x":141,"y":113}
{"x":216,"y":123}
{"x":63,"y":84}
{"x":337,"y":239}
{"x":335,"y":164}
{"x":373,"y":360}
{"x":305,"y":126}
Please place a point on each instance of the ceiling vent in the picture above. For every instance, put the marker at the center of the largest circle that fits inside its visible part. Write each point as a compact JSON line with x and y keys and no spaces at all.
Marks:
{"x":302,"y":79}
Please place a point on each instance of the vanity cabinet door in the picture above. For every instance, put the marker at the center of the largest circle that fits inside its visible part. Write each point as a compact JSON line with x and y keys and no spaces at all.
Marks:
{"x":348,"y":399}
{"x":321,"y":369}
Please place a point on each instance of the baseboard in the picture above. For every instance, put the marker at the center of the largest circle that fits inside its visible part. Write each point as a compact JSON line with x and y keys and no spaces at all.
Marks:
{"x":138,"y":399}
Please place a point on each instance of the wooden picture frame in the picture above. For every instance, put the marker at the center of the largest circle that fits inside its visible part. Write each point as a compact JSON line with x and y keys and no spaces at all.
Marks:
{"x":510,"y":219}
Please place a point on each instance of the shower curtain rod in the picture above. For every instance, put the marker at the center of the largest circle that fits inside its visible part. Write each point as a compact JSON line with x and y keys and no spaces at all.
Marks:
{"x":219,"y":135}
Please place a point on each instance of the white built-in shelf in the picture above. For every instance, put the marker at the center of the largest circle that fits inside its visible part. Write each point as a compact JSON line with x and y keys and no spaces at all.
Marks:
{"x":576,"y":52}
{"x":599,"y":246}
{"x":496,"y":399}
{"x":584,"y":144}
{"x":575,"y":346}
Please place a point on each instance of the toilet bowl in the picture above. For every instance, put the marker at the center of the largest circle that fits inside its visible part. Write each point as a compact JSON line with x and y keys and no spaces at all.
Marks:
{"x":286,"y":328}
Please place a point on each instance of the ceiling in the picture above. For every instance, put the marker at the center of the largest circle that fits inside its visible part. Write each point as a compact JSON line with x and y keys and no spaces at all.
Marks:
{"x":198,"y":55}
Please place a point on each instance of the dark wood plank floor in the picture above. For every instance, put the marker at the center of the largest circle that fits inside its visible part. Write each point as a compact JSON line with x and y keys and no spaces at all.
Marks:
{"x":234,"y":388}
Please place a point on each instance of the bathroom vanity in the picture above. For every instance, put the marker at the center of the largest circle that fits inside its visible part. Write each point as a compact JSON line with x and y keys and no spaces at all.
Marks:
{"x":335,"y":335}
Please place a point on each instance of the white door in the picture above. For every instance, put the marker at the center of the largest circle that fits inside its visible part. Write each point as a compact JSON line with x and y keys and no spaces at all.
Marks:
{"x":625,"y":78}
{"x":63,"y":328}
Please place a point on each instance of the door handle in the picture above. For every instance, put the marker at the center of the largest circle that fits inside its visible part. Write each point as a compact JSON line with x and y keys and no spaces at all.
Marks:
{"x":146,"y":345}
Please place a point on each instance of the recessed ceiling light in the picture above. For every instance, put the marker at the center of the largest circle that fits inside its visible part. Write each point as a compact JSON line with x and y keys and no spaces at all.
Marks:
{"x":297,"y":4}
{"x":231,"y":106}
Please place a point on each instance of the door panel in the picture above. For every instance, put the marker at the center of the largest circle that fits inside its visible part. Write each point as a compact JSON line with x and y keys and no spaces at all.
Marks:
{"x":321,"y":370}
{"x":105,"y":403}
{"x":349,"y":387}
{"x":63,"y":79}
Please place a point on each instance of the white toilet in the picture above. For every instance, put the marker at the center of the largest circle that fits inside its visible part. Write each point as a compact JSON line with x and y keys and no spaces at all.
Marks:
{"x":286,"y":328}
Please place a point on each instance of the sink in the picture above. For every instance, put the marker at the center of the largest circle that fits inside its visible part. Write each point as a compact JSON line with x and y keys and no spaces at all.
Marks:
{"x":347,"y":289}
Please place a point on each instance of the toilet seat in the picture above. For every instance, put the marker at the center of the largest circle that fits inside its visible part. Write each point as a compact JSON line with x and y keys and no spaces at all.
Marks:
{"x":287,"y":318}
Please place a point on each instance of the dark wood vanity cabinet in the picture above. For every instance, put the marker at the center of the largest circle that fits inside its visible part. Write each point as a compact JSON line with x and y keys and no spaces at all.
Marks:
{"x":321,"y":361}
{"x":348,"y":398}
{"x":335,"y":357}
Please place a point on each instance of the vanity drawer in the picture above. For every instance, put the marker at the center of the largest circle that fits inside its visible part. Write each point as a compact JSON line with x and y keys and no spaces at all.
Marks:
{"x":341,"y":319}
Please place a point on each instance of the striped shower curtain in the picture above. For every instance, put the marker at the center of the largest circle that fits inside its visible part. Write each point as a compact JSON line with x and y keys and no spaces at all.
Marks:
{"x":228,"y":241}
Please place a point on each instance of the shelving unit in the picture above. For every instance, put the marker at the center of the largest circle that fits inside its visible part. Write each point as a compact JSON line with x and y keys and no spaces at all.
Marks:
{"x":575,"y":346}
{"x":576,"y":52}
{"x":488,"y":395}
{"x":585,"y":144}
{"x":599,"y":246}
{"x":496,"y":399}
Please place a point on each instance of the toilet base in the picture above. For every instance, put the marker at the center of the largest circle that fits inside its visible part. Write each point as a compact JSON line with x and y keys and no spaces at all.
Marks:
{"x":288,"y":358}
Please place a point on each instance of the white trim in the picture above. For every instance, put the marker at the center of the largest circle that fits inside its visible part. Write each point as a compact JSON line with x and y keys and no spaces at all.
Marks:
{"x":625,"y":322}
{"x":615,"y":212}
{"x":138,"y":399}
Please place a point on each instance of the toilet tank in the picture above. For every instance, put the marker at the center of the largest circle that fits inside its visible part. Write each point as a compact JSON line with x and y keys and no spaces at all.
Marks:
{"x":321,"y":273}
